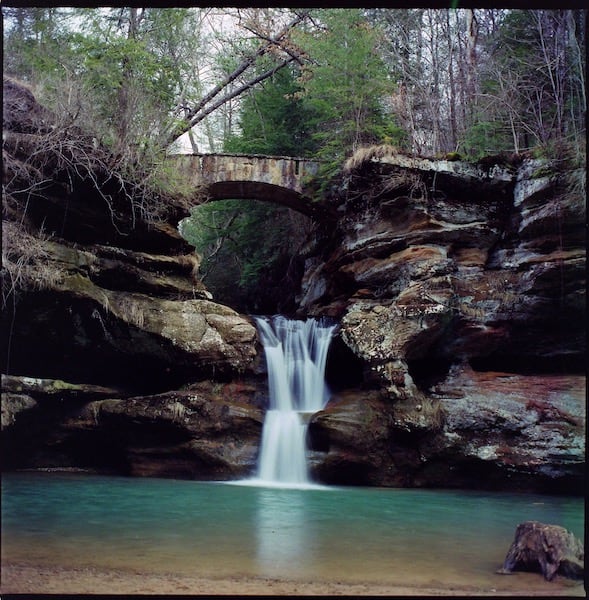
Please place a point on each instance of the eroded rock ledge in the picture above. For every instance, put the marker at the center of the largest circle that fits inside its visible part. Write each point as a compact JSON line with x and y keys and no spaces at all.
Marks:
{"x":98,"y":289}
{"x":105,"y":319}
{"x":207,"y":430}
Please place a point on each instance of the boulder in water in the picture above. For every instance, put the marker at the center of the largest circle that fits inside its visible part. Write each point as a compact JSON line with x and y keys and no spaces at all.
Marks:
{"x":550,"y":549}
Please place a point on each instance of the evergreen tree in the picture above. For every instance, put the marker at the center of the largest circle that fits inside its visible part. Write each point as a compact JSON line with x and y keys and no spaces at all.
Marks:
{"x":346,"y":83}
{"x":274,"y":119}
{"x":36,"y":45}
{"x":250,"y":248}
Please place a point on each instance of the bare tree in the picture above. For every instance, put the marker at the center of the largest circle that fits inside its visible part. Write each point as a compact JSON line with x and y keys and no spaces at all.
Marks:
{"x":538,"y":73}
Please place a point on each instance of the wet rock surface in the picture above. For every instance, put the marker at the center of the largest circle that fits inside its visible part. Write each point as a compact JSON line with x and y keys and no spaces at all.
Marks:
{"x":111,"y":318}
{"x":462,"y":293}
{"x":522,"y":430}
{"x":349,"y":439}
{"x":207,"y":431}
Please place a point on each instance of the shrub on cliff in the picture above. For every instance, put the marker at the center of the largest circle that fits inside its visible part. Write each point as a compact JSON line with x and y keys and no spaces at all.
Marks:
{"x":48,"y":160}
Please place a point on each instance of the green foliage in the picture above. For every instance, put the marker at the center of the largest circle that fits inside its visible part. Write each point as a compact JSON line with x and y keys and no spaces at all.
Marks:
{"x":32,"y":42}
{"x":247,"y":248}
{"x":345,"y":85}
{"x":132,"y":75}
{"x":274,"y":119}
{"x":127,"y":65}
{"x":111,"y":71}
{"x":485,"y":138}
{"x":452,"y":156}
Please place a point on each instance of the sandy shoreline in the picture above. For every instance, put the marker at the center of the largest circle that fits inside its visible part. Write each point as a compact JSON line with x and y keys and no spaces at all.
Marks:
{"x":19,"y":578}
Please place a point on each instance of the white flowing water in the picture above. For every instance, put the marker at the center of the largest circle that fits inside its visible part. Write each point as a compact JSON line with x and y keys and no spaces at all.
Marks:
{"x":296,"y":354}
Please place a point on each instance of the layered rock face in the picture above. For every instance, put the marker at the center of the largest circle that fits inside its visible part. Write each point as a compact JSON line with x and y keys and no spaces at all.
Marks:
{"x":103,"y":309}
{"x":461,"y":290}
{"x":207,"y":430}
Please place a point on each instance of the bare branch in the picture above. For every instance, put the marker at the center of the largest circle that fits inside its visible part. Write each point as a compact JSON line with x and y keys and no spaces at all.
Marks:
{"x":238,"y":91}
{"x":197,"y":113}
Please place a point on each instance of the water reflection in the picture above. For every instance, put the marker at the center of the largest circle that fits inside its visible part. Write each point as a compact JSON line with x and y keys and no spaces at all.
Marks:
{"x":284,"y":539}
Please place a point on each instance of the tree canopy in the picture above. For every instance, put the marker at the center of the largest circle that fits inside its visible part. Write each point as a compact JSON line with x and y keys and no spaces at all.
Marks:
{"x":427,"y":80}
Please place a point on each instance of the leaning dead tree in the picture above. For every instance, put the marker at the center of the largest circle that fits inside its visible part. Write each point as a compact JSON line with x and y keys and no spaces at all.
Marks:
{"x":279,"y":46}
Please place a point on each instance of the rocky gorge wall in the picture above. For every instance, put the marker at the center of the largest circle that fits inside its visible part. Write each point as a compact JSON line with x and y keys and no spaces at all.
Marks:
{"x":461,"y":290}
{"x":459,"y":359}
{"x":114,"y":357}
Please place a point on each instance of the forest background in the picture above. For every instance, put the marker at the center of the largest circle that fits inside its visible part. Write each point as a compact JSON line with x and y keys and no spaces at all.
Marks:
{"x":317,"y":83}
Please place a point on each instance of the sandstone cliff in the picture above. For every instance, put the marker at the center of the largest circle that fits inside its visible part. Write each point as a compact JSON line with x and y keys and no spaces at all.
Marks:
{"x":459,"y":289}
{"x":102,"y":299}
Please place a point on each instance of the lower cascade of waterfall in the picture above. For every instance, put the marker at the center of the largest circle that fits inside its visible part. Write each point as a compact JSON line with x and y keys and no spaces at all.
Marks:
{"x":296,"y":354}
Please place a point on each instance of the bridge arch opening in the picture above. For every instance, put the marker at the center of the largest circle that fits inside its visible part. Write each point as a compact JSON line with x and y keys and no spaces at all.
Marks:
{"x":260,"y":191}
{"x":251,"y":247}
{"x":251,"y":226}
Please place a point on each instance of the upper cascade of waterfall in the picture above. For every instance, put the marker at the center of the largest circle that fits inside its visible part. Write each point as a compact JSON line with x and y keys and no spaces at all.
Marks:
{"x":296,"y":355}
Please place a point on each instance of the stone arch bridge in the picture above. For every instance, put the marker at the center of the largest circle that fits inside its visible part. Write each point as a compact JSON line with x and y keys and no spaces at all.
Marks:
{"x":277,"y":179}
{"x":284,"y":180}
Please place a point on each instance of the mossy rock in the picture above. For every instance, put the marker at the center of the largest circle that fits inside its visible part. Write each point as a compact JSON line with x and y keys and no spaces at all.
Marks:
{"x":35,"y":386}
{"x":543,"y":171}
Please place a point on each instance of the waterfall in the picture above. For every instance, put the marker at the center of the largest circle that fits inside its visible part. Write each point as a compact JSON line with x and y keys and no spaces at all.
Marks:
{"x":296,"y":354}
